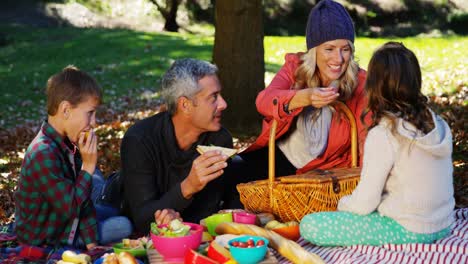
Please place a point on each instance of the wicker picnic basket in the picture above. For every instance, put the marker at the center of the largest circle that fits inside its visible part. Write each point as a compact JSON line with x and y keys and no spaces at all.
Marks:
{"x":292,"y":197}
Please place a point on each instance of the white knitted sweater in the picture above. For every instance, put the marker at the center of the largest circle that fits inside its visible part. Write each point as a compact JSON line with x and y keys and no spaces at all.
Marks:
{"x":406,"y":176}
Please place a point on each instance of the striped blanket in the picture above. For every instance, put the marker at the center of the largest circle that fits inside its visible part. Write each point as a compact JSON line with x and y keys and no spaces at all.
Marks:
{"x":452,"y":249}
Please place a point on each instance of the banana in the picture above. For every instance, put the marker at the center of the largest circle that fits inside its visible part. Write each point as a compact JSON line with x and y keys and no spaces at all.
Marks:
{"x":72,"y":257}
{"x":64,"y":262}
{"x":85,"y":257}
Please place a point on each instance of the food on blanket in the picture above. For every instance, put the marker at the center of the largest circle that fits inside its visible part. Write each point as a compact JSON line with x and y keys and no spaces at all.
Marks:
{"x":248,"y":244}
{"x":137,"y":251}
{"x":110,"y":258}
{"x":174,"y":248}
{"x":244,"y":249}
{"x":206,"y":237}
{"x":264,"y":218}
{"x":232,"y":211}
{"x":218,"y":252}
{"x":223,"y":240}
{"x":289,"y":249}
{"x":274,"y":224}
{"x":126,"y":258}
{"x":226,"y":151}
{"x":70,"y":256}
{"x":175,"y":229}
{"x":194,"y":257}
{"x":140,"y":243}
{"x":289,"y":230}
{"x":121,"y":258}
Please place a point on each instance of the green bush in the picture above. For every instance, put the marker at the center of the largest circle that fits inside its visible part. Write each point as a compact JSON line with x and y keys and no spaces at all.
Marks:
{"x":458,"y":22}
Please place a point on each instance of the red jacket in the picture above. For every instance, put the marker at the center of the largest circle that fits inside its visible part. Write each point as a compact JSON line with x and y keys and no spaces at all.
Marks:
{"x":270,"y":104}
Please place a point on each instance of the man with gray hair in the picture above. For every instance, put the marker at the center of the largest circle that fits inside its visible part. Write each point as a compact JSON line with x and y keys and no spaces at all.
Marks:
{"x":163,"y":174}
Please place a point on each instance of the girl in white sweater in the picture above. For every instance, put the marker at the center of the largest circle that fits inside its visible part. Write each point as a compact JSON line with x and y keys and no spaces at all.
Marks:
{"x":405,"y":194}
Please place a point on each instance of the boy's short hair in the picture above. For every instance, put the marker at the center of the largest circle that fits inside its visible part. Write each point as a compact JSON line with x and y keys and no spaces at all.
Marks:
{"x":72,"y":85}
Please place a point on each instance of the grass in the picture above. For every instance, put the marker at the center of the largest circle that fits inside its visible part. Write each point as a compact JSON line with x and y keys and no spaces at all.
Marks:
{"x":120,"y":60}
{"x":124,"y":60}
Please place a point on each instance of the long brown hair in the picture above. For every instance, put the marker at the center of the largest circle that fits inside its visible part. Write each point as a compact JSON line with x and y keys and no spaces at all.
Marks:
{"x":393,"y":86}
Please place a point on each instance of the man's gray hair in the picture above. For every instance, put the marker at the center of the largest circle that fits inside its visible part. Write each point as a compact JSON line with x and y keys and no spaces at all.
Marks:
{"x":182,"y":80}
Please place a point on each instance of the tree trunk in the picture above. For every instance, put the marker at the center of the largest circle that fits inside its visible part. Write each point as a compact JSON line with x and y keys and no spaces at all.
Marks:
{"x":238,"y":53}
{"x":169,"y":12}
{"x":171,"y":20}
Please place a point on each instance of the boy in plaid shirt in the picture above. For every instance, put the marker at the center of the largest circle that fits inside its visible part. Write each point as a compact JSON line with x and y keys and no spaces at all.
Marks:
{"x":53,"y":200}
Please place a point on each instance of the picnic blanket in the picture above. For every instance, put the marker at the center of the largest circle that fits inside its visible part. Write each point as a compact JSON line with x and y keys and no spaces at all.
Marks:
{"x":452,"y":249}
{"x":13,"y":252}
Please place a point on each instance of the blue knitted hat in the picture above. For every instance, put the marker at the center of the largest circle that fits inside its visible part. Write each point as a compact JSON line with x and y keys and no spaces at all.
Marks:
{"x":328,"y":20}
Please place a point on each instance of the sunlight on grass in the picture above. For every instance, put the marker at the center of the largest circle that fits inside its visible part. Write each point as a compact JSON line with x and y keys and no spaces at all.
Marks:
{"x":125,"y":60}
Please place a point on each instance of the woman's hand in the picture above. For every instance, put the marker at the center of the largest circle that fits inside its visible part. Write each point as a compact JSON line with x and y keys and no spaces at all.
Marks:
{"x":205,"y":168}
{"x":320,"y":97}
{"x":165,"y":216}
{"x":317,"y":97}
{"x":88,"y":151}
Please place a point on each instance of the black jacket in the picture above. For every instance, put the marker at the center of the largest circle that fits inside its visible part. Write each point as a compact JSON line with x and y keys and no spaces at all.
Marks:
{"x":153,"y":167}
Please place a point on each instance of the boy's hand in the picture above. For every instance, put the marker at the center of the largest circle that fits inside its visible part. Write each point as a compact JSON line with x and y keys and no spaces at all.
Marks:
{"x":205,"y":168}
{"x":88,"y":151}
{"x":90,"y":246}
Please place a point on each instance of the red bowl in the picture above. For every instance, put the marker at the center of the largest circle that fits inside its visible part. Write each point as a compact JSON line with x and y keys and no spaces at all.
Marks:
{"x":173,"y":249}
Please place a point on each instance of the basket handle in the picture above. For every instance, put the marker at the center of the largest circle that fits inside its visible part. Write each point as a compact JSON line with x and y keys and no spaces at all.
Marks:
{"x":352,"y":121}
{"x":271,"y":142}
{"x":271,"y":159}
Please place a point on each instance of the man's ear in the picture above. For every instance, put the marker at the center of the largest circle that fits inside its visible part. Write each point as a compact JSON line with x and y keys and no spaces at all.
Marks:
{"x":184,"y":105}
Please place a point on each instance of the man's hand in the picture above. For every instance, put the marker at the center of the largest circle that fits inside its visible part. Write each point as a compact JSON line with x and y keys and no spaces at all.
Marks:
{"x":165,"y":216}
{"x":205,"y":168}
{"x":88,"y":151}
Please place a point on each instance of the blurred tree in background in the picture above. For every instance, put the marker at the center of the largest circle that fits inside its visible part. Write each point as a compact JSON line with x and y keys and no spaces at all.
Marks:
{"x":238,"y":53}
{"x":168,"y":9}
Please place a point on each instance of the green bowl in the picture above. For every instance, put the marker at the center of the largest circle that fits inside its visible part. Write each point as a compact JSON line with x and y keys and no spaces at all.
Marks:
{"x":141,"y":252}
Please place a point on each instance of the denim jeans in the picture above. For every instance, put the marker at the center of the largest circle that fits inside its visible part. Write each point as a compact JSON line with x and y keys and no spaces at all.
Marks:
{"x":111,"y":226}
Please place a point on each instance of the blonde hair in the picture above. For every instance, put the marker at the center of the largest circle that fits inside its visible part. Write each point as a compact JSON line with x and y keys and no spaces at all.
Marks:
{"x":307,"y":76}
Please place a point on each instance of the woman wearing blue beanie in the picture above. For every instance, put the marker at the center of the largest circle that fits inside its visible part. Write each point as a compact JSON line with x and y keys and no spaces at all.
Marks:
{"x":310,"y":133}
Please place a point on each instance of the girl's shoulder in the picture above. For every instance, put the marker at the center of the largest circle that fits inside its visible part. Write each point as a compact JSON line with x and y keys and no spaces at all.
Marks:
{"x":383,"y":127}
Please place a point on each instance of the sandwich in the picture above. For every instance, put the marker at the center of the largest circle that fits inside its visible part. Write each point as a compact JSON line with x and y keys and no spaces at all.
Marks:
{"x":226,"y":151}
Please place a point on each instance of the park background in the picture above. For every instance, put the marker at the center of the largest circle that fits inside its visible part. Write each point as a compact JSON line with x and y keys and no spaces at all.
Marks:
{"x":128,"y":44}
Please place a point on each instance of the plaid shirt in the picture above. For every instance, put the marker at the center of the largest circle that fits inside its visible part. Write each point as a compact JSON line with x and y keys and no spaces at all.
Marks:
{"x":52,"y":192}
